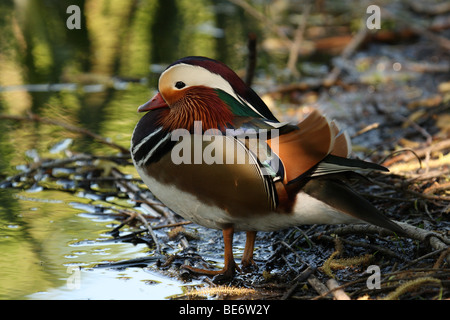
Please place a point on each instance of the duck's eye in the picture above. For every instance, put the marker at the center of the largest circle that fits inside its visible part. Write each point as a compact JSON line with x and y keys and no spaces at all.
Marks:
{"x":180,"y":85}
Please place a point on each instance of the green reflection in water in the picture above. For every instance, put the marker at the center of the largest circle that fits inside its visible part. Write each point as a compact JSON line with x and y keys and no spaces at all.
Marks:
{"x":42,"y":235}
{"x":99,"y":75}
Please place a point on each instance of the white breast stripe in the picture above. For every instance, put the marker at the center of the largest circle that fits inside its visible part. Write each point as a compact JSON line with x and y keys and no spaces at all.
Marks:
{"x":139,"y":145}
{"x":144,"y":160}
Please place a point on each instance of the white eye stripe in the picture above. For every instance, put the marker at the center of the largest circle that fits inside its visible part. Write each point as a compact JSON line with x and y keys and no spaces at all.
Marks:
{"x":192,"y":75}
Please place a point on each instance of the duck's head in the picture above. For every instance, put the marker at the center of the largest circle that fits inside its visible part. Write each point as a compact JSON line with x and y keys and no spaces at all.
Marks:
{"x":203,"y":89}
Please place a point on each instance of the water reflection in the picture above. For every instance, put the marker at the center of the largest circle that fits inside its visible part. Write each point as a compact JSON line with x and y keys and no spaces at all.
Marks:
{"x":48,"y":237}
{"x":94,"y":78}
{"x":129,"y":284}
{"x":115,"y":83}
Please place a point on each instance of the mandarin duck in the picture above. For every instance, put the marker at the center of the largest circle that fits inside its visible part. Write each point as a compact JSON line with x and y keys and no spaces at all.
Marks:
{"x":211,"y":150}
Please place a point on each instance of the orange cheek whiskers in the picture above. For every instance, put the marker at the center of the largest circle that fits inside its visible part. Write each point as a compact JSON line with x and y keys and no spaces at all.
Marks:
{"x":197,"y":104}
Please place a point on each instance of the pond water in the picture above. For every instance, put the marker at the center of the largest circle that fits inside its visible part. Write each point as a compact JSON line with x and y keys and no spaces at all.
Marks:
{"x":50,"y":250}
{"x":94,"y":77}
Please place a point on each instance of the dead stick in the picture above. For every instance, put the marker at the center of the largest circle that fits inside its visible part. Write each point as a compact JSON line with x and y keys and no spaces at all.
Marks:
{"x":295,"y":48}
{"x":35,"y":118}
{"x":148,"y":203}
{"x":320,"y":288}
{"x":438,"y":146}
{"x":170,"y":225}
{"x":348,"y":51}
{"x":436,"y":240}
{"x":133,"y":192}
{"x":336,"y":291}
{"x":262,"y":18}
{"x":251,"y":63}
{"x":298,"y":280}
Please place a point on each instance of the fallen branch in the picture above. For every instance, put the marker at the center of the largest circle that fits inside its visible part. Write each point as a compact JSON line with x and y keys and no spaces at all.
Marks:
{"x":430,"y":8}
{"x":375,"y":248}
{"x":435,"y":240}
{"x":251,"y":62}
{"x":320,"y":288}
{"x":295,"y":48}
{"x":35,"y":118}
{"x":336,"y":290}
{"x":150,"y":204}
{"x":422,"y":152}
{"x":351,"y":47}
{"x":417,"y":28}
{"x":297,"y":281}
{"x":44,"y":165}
{"x":442,"y":252}
{"x":411,"y":192}
{"x":262,"y":19}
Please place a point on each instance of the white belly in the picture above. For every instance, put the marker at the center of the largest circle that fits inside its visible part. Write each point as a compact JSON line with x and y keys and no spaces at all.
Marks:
{"x":307,"y":210}
{"x":186,"y":204}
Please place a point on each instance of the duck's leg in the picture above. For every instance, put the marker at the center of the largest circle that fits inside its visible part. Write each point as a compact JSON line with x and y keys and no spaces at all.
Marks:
{"x":230,"y":265}
{"x":247,"y":258}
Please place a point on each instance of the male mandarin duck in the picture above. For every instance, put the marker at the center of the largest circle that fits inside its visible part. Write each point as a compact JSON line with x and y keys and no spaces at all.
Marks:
{"x":198,"y":149}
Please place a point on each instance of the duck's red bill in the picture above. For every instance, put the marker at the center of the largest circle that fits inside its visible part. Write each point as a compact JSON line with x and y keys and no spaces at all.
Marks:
{"x":154,"y":103}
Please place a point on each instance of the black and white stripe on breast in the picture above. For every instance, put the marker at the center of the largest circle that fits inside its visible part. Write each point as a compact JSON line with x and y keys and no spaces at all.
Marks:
{"x":149,"y":142}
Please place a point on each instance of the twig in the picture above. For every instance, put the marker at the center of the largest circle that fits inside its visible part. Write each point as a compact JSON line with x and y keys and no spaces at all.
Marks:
{"x":292,"y":250}
{"x":416,"y":27}
{"x":171,"y":225}
{"x":434,"y":239}
{"x":295,"y":48}
{"x":345,"y":285}
{"x":357,"y":40}
{"x":380,"y":249}
{"x":251,"y":62}
{"x":414,"y":193}
{"x":437,"y":187}
{"x":35,"y":118}
{"x":150,"y":231}
{"x":131,"y":263}
{"x":332,"y":77}
{"x":428,"y":176}
{"x":441,"y":258}
{"x":262,"y":18}
{"x":438,"y":146}
{"x":44,"y":165}
{"x":134,"y":192}
{"x":421,"y":130}
{"x":320,"y":288}
{"x":366,"y":129}
{"x":425,"y":256}
{"x":149,"y":204}
{"x":336,"y":291}
{"x":297,"y":281}
{"x":387,"y":163}
{"x":430,"y":8}
{"x":297,"y":86}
